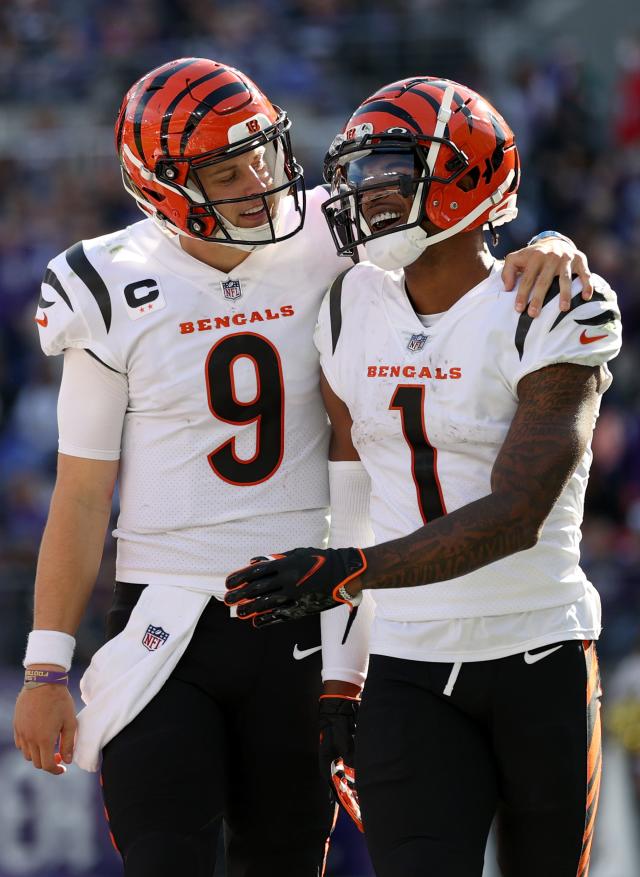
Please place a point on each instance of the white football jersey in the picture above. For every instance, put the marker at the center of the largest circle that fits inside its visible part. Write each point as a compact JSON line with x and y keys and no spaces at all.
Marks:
{"x":431,"y":408}
{"x":224,"y":444}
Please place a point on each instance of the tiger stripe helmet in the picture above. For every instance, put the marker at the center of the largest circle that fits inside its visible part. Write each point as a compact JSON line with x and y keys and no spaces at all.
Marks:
{"x":192,"y":113}
{"x":461,"y":167}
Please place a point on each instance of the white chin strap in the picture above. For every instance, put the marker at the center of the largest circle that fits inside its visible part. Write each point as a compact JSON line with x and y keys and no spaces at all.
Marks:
{"x":397,"y":250}
{"x":401,"y":248}
{"x":258,"y":232}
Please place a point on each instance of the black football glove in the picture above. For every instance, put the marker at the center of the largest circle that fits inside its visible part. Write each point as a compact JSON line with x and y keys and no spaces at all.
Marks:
{"x":338,"y":717}
{"x":300,"y":582}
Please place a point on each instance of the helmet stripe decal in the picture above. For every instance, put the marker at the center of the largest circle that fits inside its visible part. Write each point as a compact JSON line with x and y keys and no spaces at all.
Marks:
{"x":525,"y":321}
{"x":206,"y":105}
{"x":424,"y":95}
{"x":168,"y":113}
{"x":123,"y":115}
{"x":51,"y":279}
{"x":383,"y":106}
{"x":462,"y":106}
{"x":78,"y":262}
{"x":156,"y":83}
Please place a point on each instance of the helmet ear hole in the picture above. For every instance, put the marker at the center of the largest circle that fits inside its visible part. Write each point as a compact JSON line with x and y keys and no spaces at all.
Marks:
{"x":470,"y":180}
{"x":155,"y":195}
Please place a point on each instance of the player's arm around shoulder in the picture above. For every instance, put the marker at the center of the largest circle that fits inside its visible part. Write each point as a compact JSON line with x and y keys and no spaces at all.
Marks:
{"x":548,"y":257}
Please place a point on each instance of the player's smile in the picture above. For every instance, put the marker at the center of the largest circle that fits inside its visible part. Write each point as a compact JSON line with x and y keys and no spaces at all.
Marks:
{"x":383,"y":211}
{"x":253,"y":215}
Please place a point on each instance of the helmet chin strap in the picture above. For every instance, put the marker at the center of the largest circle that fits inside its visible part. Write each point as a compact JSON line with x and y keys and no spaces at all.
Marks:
{"x":397,"y":250}
{"x":248,"y":234}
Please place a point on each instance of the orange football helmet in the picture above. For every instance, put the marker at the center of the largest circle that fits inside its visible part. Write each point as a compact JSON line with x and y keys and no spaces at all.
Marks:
{"x":434,"y":140}
{"x":193,"y":113}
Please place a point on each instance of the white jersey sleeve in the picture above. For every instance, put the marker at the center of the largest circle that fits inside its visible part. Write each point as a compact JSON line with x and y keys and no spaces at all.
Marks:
{"x":91,"y":408}
{"x":75,"y":309}
{"x":587,"y":334}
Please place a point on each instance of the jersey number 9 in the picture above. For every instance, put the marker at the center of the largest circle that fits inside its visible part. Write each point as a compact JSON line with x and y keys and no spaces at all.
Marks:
{"x":266,"y":409}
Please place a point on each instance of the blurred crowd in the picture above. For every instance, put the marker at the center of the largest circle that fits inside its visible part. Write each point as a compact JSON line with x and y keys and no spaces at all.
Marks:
{"x":64,"y":65}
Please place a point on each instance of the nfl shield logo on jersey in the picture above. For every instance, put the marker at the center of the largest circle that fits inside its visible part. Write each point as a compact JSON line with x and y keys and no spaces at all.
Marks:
{"x":231,"y":289}
{"x":416,"y":342}
{"x":154,"y":638}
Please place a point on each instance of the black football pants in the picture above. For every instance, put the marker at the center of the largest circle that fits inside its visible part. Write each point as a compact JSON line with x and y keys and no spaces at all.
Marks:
{"x":516,"y":738}
{"x":233,"y":736}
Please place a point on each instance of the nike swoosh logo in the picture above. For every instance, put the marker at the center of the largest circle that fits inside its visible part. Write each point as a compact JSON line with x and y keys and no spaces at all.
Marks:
{"x":589,"y":339}
{"x":314,"y":569}
{"x":533,"y":659}
{"x":299,"y":654}
{"x":43,"y":321}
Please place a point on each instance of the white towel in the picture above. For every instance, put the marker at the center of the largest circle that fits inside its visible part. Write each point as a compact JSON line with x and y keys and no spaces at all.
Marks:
{"x":130,"y":669}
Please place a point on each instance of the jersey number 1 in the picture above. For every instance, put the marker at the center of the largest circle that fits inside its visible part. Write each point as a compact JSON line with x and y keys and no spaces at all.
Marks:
{"x":266,"y":409}
{"x":409,"y":400}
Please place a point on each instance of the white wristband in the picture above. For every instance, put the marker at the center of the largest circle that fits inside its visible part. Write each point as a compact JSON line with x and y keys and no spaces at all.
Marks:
{"x":49,"y":647}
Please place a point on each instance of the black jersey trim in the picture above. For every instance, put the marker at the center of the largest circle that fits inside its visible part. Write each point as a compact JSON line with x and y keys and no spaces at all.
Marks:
{"x":51,"y":279}
{"x":525,"y":321}
{"x":101,"y":361}
{"x":599,"y":319}
{"x":576,"y":301}
{"x":78,"y":262}
{"x":335,"y":308}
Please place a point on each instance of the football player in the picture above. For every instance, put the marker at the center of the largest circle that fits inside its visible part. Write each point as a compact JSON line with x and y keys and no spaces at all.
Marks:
{"x":473,"y":424}
{"x":191,"y":376}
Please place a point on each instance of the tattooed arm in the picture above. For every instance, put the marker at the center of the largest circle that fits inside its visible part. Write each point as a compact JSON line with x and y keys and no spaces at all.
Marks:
{"x":549,"y":433}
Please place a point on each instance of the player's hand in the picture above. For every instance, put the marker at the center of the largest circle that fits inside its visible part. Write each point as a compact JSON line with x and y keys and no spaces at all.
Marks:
{"x":43,"y":716}
{"x":300,"y":582}
{"x":538,"y":265}
{"x":338,"y":718}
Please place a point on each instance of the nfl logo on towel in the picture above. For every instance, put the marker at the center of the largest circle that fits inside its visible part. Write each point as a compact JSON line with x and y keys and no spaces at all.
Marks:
{"x":154,"y":638}
{"x":416,"y":342}
{"x":231,"y":289}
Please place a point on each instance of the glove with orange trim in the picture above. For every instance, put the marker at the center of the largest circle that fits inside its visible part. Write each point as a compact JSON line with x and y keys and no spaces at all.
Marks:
{"x":300,"y":582}
{"x":338,"y":717}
